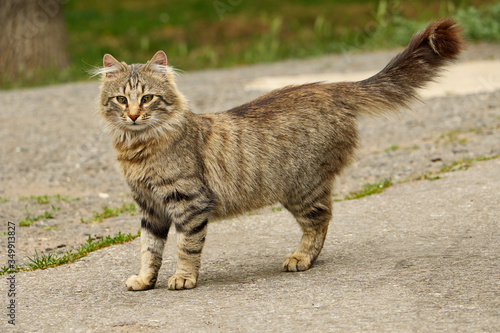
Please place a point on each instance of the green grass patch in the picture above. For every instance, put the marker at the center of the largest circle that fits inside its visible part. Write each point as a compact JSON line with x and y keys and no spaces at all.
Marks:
{"x":369,"y":189}
{"x":107,"y":212}
{"x":42,"y":261}
{"x":452,"y":136}
{"x":30,"y":219}
{"x":465,"y":163}
{"x":428,"y":176}
{"x":462,"y":164}
{"x":206,"y":34}
{"x":391,"y":148}
{"x":46,"y":199}
{"x":3,"y":200}
{"x":54,"y":227}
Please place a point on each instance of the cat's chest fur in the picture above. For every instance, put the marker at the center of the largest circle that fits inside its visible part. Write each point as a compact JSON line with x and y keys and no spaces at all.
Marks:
{"x":161,"y":176}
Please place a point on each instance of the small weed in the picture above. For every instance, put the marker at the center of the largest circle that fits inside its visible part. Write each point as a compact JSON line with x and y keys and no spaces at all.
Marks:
{"x":486,"y":158}
{"x":369,"y":189}
{"x":277,"y":209}
{"x":46,"y":199}
{"x":54,"y":227}
{"x":391,"y":148}
{"x":29,"y":220}
{"x":8,"y":270}
{"x":462,"y":164}
{"x":429,"y":176}
{"x":477,"y":130}
{"x":453,"y":137}
{"x":40,"y":199}
{"x":108,"y":212}
{"x":3,"y":200}
{"x":42,"y":261}
{"x":449,"y":137}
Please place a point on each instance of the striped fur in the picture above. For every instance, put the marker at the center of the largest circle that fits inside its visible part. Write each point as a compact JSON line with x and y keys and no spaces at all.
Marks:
{"x":284,"y":147}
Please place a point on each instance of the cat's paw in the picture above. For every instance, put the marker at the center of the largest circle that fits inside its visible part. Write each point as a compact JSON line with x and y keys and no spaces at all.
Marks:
{"x":296,"y":263}
{"x":179,"y":281}
{"x":136,"y":283}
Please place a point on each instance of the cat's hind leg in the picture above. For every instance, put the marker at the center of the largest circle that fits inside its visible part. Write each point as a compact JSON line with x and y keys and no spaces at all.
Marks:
{"x":313,"y":213}
{"x":153,"y":239}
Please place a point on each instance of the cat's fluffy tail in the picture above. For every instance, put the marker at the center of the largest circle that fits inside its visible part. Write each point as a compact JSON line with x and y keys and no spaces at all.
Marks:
{"x":395,"y":86}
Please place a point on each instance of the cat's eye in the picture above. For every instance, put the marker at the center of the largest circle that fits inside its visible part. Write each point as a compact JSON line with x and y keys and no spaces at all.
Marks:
{"x":146,"y":99}
{"x":121,"y":99}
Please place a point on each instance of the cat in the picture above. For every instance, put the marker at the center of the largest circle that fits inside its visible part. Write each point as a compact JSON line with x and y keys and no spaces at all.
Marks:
{"x":285,"y":147}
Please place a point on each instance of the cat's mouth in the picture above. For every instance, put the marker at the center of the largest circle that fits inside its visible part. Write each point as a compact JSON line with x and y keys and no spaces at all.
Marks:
{"x":135,"y":126}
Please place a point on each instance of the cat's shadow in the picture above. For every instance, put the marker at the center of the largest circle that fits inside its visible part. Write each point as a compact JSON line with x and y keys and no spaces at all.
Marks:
{"x":236,"y":276}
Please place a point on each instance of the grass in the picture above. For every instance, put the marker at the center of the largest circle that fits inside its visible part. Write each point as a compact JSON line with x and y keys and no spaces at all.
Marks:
{"x":54,"y":227}
{"x":46,"y":199}
{"x":43,"y":261}
{"x":391,"y":148}
{"x":43,"y":200}
{"x":108,"y":212}
{"x":465,"y":163}
{"x":428,"y":176}
{"x":30,"y":219}
{"x":452,"y":137}
{"x":379,"y":187}
{"x":462,"y":164}
{"x":369,"y":189}
{"x":200,"y":34}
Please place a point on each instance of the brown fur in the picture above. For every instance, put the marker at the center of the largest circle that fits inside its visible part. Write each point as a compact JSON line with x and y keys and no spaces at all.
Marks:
{"x":284,"y":147}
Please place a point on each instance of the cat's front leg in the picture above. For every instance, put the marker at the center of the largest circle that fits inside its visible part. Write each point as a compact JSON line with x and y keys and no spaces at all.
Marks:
{"x":191,"y":231}
{"x":153,"y":239}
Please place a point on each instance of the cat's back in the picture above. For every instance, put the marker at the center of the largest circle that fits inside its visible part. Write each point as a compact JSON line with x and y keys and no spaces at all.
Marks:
{"x":273,"y":145}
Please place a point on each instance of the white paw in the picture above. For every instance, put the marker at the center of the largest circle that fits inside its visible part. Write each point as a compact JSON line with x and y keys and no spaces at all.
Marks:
{"x":179,"y":281}
{"x":136,"y":283}
{"x":296,"y":263}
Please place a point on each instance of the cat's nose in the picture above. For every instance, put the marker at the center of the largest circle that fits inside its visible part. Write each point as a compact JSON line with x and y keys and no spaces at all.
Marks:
{"x":133,"y":117}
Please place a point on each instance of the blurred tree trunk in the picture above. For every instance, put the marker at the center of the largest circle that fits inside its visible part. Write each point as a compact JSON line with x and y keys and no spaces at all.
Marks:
{"x":32,"y":38}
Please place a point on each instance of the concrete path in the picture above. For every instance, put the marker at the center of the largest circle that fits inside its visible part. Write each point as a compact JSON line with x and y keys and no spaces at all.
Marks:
{"x":422,"y":256}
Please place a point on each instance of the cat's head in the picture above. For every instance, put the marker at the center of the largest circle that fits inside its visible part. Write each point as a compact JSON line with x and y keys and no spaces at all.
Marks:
{"x":140,"y":97}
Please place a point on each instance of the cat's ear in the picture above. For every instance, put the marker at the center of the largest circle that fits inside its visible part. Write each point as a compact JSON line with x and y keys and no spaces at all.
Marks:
{"x":160,"y":58}
{"x":158,"y":64}
{"x":111,"y":66}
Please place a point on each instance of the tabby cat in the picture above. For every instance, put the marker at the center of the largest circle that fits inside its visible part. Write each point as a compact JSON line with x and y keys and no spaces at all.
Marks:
{"x":285,"y":147}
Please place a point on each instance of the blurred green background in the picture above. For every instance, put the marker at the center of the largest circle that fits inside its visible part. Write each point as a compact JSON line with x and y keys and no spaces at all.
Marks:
{"x":198,"y":34}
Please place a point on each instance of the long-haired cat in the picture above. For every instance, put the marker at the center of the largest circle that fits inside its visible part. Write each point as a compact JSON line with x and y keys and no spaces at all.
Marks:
{"x":284,"y":147}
